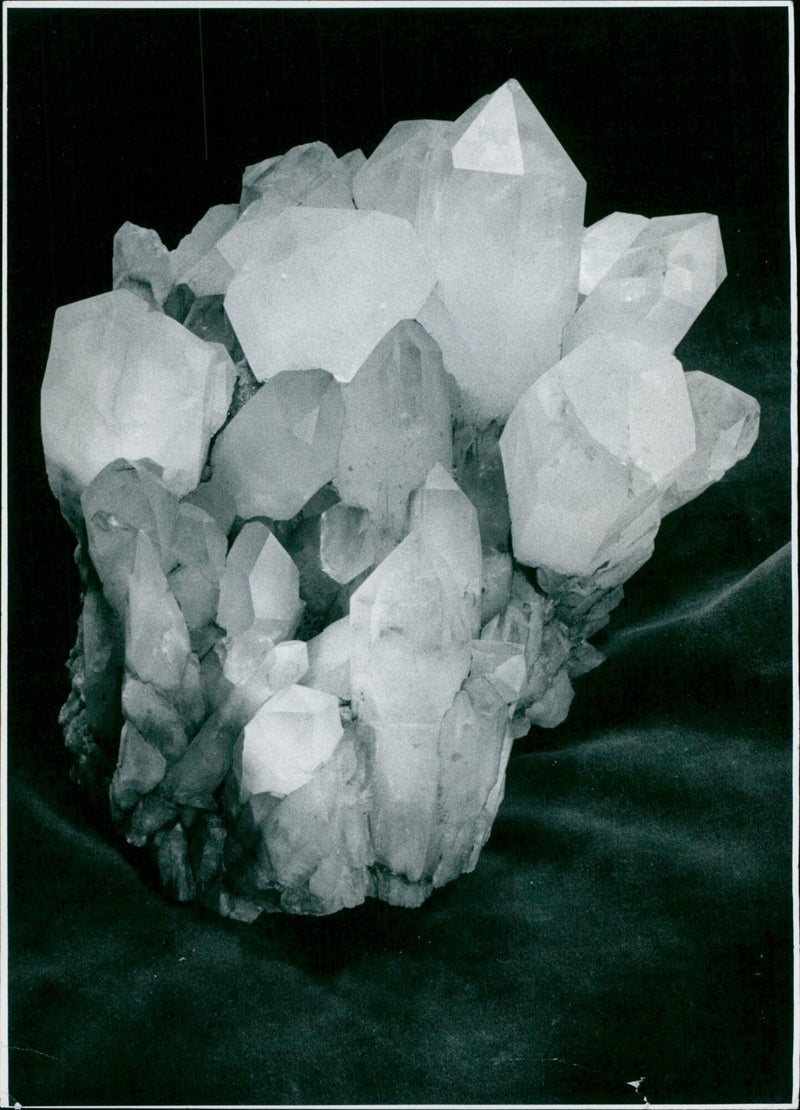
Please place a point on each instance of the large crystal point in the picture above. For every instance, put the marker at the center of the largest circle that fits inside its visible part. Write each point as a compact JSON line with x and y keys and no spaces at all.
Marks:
{"x":281,"y":446}
{"x":124,"y":381}
{"x":657,"y":287}
{"x":323,"y":287}
{"x":411,"y":626}
{"x":396,"y":425}
{"x":501,"y":214}
{"x":589,"y":446}
{"x":260,"y":586}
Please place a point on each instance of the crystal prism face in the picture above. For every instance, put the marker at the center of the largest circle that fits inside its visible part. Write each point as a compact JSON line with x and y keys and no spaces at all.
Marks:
{"x":580,"y":469}
{"x":322,"y":287}
{"x":281,"y":446}
{"x":658,"y":287}
{"x":397,"y":425}
{"x":348,"y":515}
{"x":125,"y":382}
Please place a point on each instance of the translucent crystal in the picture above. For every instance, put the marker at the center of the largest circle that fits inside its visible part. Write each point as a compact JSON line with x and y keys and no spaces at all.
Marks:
{"x":292,"y":735}
{"x":157,"y":642}
{"x":478,"y":468}
{"x":411,"y":625}
{"x":726,"y":422}
{"x":313,"y":845}
{"x":127,"y":498}
{"x":124,"y":381}
{"x":602,"y":245}
{"x":141,"y":263}
{"x":397,"y":425}
{"x":140,"y":767}
{"x":285,"y":179}
{"x":474,"y":744}
{"x":350,"y":542}
{"x":501,"y":214}
{"x":281,"y":446}
{"x":657,"y":287}
{"x":588,"y":447}
{"x":260,"y":586}
{"x":391,"y":177}
{"x":327,"y":286}
{"x":196,"y":261}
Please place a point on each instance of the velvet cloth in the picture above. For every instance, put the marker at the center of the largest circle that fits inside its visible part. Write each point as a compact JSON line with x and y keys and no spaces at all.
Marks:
{"x":627,"y":935}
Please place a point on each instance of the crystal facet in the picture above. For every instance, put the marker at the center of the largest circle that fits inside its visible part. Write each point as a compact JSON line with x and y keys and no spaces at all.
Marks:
{"x":321,"y":287}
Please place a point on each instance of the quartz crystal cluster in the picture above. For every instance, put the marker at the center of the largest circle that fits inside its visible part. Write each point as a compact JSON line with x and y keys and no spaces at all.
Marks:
{"x":356,"y":471}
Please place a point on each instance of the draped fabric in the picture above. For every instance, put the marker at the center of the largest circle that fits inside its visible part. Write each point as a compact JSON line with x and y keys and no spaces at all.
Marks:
{"x":627,"y":935}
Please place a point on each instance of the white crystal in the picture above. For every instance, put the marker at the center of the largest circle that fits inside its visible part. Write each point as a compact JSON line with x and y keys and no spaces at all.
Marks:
{"x":397,"y":425}
{"x":603,"y":243}
{"x":412,"y":622}
{"x":657,"y":287}
{"x":589,"y":446}
{"x":334,"y":283}
{"x":292,"y":735}
{"x":501,"y":214}
{"x":260,"y":586}
{"x":281,"y":446}
{"x":124,"y":381}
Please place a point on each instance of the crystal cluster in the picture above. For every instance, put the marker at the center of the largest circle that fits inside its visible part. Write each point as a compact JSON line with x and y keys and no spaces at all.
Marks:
{"x":356,"y":471}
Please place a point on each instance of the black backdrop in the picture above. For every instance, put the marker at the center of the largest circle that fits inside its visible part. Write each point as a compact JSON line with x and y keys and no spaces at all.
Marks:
{"x":631,"y":915}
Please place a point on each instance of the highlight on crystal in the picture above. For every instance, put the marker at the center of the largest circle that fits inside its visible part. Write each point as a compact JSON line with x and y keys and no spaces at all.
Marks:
{"x":356,"y":471}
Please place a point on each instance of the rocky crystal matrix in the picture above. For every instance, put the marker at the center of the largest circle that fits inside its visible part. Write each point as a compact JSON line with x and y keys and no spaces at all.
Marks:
{"x":356,"y":471}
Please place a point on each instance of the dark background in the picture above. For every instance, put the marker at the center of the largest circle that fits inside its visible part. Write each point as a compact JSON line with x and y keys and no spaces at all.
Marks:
{"x":631,"y":915}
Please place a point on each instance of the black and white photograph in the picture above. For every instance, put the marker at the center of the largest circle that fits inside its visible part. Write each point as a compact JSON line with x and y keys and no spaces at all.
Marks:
{"x":399,"y":569}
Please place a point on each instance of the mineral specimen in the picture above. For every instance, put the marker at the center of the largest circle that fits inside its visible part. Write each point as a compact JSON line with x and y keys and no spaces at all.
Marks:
{"x":356,"y":471}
